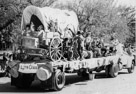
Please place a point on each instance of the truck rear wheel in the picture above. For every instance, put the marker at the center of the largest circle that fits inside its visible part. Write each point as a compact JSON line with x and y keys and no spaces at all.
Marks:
{"x":107,"y":71}
{"x":58,"y":80}
{"x":131,"y":69}
{"x":114,"y":69}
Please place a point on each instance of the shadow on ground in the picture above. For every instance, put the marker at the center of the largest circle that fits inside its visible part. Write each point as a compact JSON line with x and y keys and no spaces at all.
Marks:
{"x":35,"y":88}
{"x":102,"y":75}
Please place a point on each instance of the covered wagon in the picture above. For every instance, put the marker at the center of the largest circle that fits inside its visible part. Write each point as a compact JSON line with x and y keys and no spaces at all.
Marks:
{"x":57,"y":24}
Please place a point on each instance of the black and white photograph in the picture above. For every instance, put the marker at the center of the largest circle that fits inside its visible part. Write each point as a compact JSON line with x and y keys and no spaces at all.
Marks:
{"x":68,"y":46}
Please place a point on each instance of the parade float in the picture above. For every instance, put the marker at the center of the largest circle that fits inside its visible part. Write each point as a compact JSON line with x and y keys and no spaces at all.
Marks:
{"x":30,"y":62}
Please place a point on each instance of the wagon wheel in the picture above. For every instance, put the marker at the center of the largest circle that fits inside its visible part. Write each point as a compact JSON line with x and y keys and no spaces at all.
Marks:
{"x":55,"y":49}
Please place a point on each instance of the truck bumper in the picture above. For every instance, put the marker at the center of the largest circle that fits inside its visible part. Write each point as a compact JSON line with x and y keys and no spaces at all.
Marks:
{"x":42,"y":70}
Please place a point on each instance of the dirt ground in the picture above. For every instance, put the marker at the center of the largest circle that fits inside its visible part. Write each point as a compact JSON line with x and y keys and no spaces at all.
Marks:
{"x":123,"y":84}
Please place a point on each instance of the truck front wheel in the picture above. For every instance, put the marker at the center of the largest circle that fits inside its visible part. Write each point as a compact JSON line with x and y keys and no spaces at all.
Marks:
{"x":58,"y":80}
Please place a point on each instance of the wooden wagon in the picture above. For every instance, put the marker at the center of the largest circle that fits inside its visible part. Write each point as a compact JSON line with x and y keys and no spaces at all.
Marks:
{"x":57,"y":24}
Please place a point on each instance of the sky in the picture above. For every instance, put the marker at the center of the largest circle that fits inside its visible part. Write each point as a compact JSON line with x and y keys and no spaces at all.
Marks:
{"x":127,"y":2}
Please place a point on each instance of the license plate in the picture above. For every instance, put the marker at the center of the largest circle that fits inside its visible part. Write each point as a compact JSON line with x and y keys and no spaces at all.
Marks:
{"x":28,"y":68}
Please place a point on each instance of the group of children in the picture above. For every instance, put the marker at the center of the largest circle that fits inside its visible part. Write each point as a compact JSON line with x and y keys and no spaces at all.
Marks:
{"x":88,"y":47}
{"x":32,"y":32}
{"x":79,"y":46}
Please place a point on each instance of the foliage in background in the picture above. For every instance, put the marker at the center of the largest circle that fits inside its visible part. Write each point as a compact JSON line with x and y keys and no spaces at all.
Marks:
{"x":130,"y":16}
{"x":102,"y":18}
{"x":11,"y":13}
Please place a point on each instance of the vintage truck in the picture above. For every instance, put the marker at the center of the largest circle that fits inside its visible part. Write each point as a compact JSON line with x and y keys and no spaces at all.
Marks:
{"x":52,"y":73}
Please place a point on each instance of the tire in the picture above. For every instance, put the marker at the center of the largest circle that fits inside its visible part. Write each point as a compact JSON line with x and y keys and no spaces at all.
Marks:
{"x":132,"y":68}
{"x":107,"y":71}
{"x":58,"y":80}
{"x":114,"y":69}
{"x":24,"y":81}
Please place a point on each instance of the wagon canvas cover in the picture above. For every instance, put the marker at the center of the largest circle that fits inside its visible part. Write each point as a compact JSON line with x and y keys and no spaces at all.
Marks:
{"x":65,"y":19}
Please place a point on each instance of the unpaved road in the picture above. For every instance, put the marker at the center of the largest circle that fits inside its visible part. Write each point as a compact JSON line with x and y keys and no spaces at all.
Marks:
{"x":123,"y":84}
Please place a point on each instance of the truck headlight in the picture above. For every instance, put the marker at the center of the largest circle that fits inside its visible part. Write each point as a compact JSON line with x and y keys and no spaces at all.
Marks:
{"x":43,"y":74}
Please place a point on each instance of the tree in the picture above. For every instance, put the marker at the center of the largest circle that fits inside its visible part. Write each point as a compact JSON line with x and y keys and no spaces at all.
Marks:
{"x":130,"y":15}
{"x":11,"y":13}
{"x":11,"y":10}
{"x":100,"y":17}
